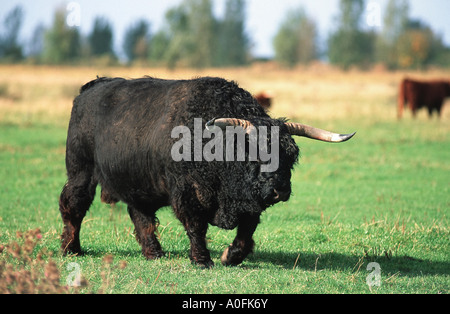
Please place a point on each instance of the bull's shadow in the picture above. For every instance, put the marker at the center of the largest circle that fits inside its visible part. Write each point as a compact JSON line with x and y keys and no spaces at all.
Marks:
{"x":309,"y":261}
{"x":406,"y":265}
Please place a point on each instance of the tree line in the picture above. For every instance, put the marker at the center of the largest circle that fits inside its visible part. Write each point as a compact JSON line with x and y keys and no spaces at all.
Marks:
{"x":192,"y":36}
{"x":401,"y":43}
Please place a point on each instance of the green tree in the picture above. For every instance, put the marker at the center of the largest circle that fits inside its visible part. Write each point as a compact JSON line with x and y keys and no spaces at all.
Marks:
{"x":174,"y":37}
{"x":188,"y":36}
{"x":62,"y":44}
{"x":192,"y":36}
{"x":202,"y":31}
{"x":405,"y":43}
{"x":10,"y":49}
{"x":296,"y":40}
{"x":137,"y":41}
{"x":233,"y":43}
{"x":396,"y":19}
{"x":36,"y":44}
{"x":418,"y":46}
{"x":158,"y":51}
{"x":350,"y":44}
{"x":101,"y":38}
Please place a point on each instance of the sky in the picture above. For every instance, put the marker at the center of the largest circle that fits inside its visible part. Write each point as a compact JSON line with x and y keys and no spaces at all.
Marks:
{"x":263,"y":16}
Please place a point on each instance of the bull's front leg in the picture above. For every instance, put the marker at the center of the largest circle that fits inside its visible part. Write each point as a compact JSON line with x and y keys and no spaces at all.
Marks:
{"x":243,"y":243}
{"x":199,"y":253}
{"x":196,"y":229}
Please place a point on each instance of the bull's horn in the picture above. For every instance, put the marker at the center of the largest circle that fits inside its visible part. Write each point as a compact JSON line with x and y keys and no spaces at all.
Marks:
{"x":293,"y":128}
{"x":317,"y":134}
{"x":224,"y":122}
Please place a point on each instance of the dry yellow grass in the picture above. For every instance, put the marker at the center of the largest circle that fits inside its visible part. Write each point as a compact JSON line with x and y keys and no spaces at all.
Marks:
{"x":316,"y":93}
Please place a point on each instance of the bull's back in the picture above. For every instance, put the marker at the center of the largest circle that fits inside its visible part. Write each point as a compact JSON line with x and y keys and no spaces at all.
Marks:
{"x":129,"y":112}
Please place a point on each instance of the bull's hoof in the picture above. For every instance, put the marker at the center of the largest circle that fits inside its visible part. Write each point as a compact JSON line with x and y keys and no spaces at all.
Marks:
{"x":234,"y":255}
{"x":204,"y":264}
{"x":224,"y":257}
{"x":153,"y":255}
{"x":71,"y":251}
{"x":70,"y":247}
{"x":230,"y":258}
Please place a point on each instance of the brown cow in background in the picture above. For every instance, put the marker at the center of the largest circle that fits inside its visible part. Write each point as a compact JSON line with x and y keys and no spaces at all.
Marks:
{"x":264,"y":99}
{"x":422,"y":94}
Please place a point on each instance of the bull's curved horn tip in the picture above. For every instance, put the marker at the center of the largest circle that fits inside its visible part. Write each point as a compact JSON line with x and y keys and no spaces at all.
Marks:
{"x":338,"y":138}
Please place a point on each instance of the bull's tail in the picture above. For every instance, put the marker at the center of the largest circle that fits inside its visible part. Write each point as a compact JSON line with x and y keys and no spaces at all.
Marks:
{"x":401,"y":99}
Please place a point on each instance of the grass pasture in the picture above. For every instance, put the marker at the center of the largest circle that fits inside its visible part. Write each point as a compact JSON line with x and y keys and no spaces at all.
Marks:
{"x":382,"y":197}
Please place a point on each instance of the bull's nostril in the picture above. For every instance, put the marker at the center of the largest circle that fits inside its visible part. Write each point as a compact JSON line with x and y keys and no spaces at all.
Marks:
{"x":276,"y":195}
{"x":281,"y":196}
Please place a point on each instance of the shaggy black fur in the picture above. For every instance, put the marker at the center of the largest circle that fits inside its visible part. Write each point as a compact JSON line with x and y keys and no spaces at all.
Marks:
{"x":120,"y":137}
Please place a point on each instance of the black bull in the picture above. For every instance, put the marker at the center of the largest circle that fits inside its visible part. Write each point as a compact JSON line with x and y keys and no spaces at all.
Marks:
{"x":120,"y":137}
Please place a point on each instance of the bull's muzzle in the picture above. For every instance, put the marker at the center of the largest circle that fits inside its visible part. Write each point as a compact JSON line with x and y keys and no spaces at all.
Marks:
{"x":281,"y":196}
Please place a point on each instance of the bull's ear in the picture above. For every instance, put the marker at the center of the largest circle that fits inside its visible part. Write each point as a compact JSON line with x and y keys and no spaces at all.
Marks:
{"x":317,"y":134}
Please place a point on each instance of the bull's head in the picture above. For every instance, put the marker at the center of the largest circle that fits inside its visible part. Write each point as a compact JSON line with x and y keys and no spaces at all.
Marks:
{"x":275,"y":186}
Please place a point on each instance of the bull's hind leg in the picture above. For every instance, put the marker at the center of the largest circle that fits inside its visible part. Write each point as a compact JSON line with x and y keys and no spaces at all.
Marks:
{"x":145,"y":224}
{"x":76,"y":198}
{"x":243,"y":243}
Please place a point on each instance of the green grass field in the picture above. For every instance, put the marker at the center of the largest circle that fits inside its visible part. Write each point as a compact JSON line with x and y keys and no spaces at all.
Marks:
{"x":382,"y":197}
